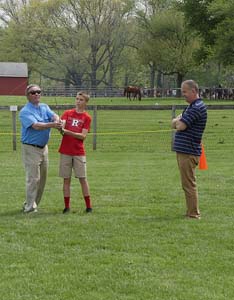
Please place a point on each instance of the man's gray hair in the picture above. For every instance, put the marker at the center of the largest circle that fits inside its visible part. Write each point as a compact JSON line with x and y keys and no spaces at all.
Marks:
{"x":191,"y":84}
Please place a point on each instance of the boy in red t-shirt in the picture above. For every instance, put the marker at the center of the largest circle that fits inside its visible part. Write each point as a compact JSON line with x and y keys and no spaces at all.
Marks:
{"x":72,"y":152}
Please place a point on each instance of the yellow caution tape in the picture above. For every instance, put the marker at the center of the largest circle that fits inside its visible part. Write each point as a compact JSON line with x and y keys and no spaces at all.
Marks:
{"x":107,"y":133}
{"x":129,"y":132}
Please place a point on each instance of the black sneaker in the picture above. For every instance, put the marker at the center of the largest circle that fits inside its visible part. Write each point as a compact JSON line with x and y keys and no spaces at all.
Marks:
{"x":89,"y":210}
{"x":66,"y":210}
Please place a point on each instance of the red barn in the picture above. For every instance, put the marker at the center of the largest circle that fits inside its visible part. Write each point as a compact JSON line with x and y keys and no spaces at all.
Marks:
{"x":13,"y":78}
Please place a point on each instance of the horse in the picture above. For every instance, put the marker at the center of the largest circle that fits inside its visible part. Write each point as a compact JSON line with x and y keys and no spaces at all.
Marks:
{"x":134,"y":91}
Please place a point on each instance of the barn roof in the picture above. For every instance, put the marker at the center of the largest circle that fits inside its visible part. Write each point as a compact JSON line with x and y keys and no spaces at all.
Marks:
{"x":12,"y":69}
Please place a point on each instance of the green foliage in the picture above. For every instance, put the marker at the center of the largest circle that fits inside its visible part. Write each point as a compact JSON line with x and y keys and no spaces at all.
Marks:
{"x":116,"y":42}
{"x":213,"y":20}
{"x":224,"y":32}
{"x":71,"y":41}
{"x":168,"y":44}
{"x":198,"y":17}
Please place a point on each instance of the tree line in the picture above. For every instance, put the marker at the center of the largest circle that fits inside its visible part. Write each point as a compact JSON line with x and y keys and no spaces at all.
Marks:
{"x":109,"y":43}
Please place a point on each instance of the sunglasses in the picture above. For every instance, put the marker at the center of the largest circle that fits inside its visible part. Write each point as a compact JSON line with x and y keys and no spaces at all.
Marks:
{"x":35,"y":92}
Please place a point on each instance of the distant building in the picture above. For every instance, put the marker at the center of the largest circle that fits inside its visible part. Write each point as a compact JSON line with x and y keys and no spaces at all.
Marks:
{"x":13,"y":78}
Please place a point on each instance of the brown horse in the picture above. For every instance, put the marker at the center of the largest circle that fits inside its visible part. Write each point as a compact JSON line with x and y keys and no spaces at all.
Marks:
{"x":134,"y":91}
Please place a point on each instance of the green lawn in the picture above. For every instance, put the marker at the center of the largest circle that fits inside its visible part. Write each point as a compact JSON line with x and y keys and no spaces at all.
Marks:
{"x":136,"y":244}
{"x":20,"y":100}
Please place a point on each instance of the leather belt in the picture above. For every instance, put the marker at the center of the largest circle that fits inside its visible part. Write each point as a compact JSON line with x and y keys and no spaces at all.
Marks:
{"x":37,"y":146}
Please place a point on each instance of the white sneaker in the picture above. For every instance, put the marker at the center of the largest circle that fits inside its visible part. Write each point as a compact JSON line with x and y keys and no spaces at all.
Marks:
{"x":34,"y":210}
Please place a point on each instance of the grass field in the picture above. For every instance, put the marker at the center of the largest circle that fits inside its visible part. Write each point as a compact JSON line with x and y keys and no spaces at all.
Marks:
{"x":54,"y":100}
{"x":136,"y":245}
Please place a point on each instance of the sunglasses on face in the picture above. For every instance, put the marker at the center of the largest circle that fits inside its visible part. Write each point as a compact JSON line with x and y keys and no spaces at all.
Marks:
{"x":35,"y":92}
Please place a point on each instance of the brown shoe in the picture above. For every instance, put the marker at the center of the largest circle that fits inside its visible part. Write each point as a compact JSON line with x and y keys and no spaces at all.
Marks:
{"x":194,"y":217}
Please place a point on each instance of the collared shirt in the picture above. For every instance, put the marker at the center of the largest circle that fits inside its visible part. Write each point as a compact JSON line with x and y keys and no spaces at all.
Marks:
{"x":31,"y":114}
{"x":189,"y":140}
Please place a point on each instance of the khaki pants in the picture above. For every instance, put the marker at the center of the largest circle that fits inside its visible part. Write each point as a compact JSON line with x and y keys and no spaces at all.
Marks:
{"x":36,"y":165}
{"x":187,"y":164}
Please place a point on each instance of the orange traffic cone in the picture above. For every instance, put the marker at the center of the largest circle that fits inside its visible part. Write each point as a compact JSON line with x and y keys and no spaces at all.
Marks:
{"x":203,"y":163}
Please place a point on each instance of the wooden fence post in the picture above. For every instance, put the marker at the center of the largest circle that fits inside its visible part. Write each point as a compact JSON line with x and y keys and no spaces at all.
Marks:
{"x":13,"y":109}
{"x":95,"y":127}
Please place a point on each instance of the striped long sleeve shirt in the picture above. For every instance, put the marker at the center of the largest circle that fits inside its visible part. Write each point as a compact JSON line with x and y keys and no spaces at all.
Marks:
{"x":189,"y":140}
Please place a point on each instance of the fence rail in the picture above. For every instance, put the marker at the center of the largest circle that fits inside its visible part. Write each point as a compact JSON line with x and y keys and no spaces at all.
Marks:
{"x":96,"y":108}
{"x":205,"y":92}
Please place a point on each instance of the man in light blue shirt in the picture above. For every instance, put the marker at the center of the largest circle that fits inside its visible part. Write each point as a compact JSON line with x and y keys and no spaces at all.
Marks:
{"x":36,"y":121}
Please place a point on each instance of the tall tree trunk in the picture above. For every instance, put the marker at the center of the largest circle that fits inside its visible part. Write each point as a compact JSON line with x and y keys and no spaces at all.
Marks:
{"x":94,"y":79}
{"x":126,"y":80}
{"x":111,"y":77}
{"x":152,"y":78}
{"x":179,"y":81}
{"x":159,"y":79}
{"x":94,"y":70}
{"x":67,"y":83}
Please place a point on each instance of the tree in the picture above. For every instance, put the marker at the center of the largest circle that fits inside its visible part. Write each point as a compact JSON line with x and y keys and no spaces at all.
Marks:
{"x":105,"y":25}
{"x":9,"y":10}
{"x":74,"y":41}
{"x":213,"y":21}
{"x":168,"y":44}
{"x":223,"y":12}
{"x":198,"y":17}
{"x":148,"y":9}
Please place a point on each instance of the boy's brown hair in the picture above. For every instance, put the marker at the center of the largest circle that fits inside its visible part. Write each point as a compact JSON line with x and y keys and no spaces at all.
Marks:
{"x":86,"y":96}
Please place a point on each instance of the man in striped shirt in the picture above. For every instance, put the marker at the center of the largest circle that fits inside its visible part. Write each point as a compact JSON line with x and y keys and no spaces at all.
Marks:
{"x":190,"y":126}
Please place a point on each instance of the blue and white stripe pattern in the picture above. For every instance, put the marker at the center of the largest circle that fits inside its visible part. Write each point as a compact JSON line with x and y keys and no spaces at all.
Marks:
{"x":189,"y":140}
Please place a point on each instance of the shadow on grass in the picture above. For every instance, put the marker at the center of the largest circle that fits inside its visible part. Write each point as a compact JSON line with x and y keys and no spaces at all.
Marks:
{"x":160,"y":218}
{"x":41,"y":213}
{"x":19,"y":213}
{"x":143,"y":218}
